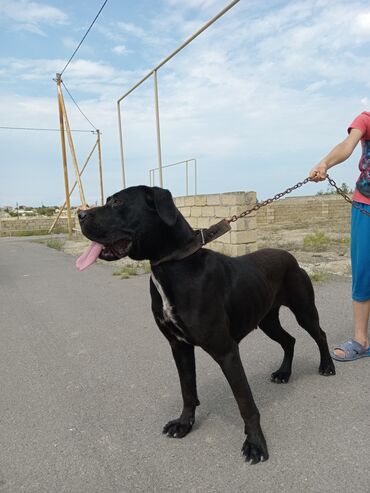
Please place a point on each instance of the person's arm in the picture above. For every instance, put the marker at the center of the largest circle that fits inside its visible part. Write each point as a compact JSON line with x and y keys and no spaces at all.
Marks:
{"x":337,"y":155}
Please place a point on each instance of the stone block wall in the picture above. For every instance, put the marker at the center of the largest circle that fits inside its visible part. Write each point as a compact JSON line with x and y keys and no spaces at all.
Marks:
{"x":329,"y":212}
{"x":201,"y":211}
{"x":325,"y":212}
{"x":21,"y":226}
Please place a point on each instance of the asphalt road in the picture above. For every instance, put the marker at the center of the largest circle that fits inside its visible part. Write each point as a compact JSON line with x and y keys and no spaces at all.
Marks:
{"x":88,"y":381}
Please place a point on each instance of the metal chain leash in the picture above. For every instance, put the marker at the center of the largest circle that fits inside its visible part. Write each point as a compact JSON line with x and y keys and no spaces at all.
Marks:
{"x":278,"y":196}
{"x":345,"y":196}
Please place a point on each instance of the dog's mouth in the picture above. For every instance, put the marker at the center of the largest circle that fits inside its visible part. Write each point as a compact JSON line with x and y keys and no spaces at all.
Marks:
{"x":114,"y":251}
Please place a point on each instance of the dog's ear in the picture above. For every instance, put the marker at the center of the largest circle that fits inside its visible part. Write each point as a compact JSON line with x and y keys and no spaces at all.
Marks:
{"x":165,"y":206}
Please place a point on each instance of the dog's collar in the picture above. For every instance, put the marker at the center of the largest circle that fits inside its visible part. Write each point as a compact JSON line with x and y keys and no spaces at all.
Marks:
{"x":201,"y":238}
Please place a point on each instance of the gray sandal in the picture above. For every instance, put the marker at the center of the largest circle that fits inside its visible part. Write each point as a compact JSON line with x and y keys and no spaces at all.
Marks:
{"x":352,"y":350}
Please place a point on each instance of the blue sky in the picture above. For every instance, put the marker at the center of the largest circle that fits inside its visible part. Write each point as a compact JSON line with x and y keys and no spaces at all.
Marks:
{"x":257,"y":99}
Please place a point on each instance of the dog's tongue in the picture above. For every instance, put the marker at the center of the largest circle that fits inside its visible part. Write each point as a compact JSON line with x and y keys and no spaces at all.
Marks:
{"x":89,"y":256}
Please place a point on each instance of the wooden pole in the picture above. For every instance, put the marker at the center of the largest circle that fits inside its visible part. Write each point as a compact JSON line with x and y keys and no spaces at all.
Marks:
{"x":100,"y":168}
{"x":64,"y":157}
{"x":72,"y":189}
{"x":72,"y":148}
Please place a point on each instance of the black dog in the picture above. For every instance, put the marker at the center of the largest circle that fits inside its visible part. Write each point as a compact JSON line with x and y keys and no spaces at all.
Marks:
{"x":207,"y":299}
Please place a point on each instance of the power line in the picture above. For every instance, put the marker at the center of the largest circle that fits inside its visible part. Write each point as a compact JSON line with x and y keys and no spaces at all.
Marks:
{"x":41,"y":129}
{"x":79,"y":109}
{"x":87,"y":32}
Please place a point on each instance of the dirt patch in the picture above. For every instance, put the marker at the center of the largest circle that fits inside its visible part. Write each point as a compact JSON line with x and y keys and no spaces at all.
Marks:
{"x":317,"y":251}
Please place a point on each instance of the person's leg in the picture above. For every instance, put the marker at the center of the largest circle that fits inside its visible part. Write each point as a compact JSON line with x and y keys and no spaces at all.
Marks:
{"x":361,"y":312}
{"x":360,"y":260}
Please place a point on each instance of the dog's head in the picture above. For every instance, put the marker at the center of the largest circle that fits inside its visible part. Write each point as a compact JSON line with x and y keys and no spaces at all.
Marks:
{"x":140,"y":222}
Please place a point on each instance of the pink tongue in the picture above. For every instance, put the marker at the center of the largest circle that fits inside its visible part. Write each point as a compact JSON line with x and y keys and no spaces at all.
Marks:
{"x":89,"y":256}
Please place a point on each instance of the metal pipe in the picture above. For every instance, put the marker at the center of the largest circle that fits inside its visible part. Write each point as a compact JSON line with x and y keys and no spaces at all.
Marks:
{"x":185,"y":43}
{"x":175,"y":164}
{"x":154,"y":72}
{"x":158,"y":130}
{"x":187,"y":161}
{"x":100,"y":168}
{"x":195,"y":177}
{"x":187,"y":178}
{"x":121,"y":145}
{"x":135,"y":86}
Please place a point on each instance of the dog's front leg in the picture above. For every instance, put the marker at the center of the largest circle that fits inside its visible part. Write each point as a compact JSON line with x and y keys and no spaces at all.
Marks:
{"x":185,"y":361}
{"x":254,"y":448}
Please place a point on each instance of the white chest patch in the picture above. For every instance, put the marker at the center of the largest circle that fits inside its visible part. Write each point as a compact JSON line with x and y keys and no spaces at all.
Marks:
{"x":167,"y":308}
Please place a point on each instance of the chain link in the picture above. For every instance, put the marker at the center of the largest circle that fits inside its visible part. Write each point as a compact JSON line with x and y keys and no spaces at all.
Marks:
{"x":345,"y":196}
{"x":278,"y":196}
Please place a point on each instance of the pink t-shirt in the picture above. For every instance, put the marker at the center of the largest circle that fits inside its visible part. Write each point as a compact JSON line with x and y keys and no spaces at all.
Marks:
{"x":362,"y":190}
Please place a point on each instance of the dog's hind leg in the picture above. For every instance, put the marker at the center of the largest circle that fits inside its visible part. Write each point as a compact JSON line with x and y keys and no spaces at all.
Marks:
{"x":302,"y":304}
{"x":183,"y":354}
{"x":271,"y":326}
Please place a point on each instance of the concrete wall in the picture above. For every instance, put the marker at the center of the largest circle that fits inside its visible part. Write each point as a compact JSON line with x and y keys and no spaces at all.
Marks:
{"x":201,"y":211}
{"x":23,"y":225}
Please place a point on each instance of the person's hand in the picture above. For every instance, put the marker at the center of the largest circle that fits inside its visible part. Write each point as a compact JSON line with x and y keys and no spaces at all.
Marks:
{"x":318,"y":173}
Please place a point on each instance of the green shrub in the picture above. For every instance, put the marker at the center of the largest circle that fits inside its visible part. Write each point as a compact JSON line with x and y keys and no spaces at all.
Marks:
{"x":125,"y":272}
{"x":345,"y":241}
{"x":54,"y":243}
{"x":317,"y":241}
{"x":319,"y":276}
{"x":132,"y":270}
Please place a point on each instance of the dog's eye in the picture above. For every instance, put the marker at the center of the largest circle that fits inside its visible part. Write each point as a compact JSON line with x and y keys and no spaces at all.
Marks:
{"x":115,"y":202}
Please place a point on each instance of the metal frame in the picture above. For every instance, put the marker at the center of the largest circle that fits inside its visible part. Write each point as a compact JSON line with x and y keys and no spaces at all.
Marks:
{"x":153,"y":73}
{"x":186,"y":162}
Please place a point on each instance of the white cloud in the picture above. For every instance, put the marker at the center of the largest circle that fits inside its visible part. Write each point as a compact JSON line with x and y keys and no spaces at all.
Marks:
{"x":110,"y":33}
{"x":30,"y":15}
{"x":363,"y":21}
{"x":130,"y":28}
{"x":69,"y":42}
{"x":193,"y":4}
{"x":145,"y":35}
{"x":119,"y":49}
{"x":86,"y":75}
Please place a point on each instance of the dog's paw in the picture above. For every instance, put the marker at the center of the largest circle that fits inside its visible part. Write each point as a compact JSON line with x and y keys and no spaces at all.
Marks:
{"x":280,"y":377}
{"x":178,"y":428}
{"x":254,"y":453}
{"x":327,"y":369}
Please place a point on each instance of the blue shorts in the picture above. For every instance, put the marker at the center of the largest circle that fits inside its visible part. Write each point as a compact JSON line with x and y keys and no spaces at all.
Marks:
{"x":360,"y":253}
